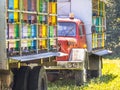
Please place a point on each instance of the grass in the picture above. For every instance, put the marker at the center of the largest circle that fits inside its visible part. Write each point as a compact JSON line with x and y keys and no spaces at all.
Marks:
{"x":110,"y":79}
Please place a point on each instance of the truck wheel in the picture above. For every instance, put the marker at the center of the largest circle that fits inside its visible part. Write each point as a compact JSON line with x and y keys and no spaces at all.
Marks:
{"x":21,"y":79}
{"x":80,"y":77}
{"x":37,"y":79}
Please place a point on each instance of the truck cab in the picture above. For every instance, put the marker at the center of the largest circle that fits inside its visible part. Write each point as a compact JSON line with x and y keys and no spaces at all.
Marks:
{"x":71,"y":34}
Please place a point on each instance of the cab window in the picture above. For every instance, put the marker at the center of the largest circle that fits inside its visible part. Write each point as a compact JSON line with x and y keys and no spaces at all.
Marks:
{"x":67,"y":29}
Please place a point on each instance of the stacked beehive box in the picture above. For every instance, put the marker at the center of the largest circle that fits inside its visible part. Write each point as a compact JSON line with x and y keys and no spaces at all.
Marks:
{"x":98,"y":20}
{"x":31,"y":26}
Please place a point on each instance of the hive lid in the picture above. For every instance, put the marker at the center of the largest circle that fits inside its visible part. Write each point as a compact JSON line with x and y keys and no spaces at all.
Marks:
{"x":38,"y":56}
{"x":102,"y":52}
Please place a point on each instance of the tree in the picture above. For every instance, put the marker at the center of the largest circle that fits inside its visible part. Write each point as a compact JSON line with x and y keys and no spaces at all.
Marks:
{"x":113,"y":25}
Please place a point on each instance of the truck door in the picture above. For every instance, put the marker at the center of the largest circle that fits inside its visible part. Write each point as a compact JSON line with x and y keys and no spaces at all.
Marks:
{"x":81,"y":36}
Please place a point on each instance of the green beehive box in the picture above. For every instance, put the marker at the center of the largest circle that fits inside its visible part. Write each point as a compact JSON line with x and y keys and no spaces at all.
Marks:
{"x":16,"y":31}
{"x":51,"y":31}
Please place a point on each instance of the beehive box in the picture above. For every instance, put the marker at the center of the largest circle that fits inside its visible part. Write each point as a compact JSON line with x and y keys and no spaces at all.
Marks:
{"x":31,"y":26}
{"x":99,"y":21}
{"x":27,"y":27}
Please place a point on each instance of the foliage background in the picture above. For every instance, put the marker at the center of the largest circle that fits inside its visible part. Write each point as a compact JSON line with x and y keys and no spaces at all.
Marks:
{"x":113,"y":26}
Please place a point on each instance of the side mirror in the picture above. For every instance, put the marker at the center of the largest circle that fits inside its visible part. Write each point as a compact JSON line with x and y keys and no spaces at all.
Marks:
{"x":93,"y":29}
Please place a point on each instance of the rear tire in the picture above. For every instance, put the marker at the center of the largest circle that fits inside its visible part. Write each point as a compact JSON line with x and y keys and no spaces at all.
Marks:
{"x":21,"y":78}
{"x":37,"y":79}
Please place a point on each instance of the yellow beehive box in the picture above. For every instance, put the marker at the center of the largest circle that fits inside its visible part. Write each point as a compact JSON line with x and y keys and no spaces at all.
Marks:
{"x":16,"y":16}
{"x":16,"y":4}
{"x":44,"y":31}
{"x":44,"y":44}
{"x":54,"y":7}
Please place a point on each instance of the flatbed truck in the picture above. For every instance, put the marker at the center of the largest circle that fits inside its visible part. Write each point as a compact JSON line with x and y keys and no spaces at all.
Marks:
{"x":37,"y":36}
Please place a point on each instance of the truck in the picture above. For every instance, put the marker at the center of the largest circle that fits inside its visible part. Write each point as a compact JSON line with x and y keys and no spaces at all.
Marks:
{"x":38,"y":41}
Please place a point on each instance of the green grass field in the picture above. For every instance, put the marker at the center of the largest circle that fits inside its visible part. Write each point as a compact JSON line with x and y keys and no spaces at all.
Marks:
{"x":110,"y":79}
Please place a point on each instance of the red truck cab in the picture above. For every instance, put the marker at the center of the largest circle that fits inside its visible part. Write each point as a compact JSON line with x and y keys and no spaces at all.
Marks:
{"x":71,"y":34}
